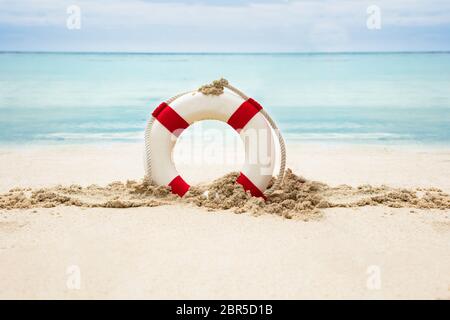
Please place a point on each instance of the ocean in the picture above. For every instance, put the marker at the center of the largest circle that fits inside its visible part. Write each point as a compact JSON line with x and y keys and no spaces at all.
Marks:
{"x":78,"y":98}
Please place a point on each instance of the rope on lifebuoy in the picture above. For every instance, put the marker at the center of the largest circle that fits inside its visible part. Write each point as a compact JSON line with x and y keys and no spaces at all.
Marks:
{"x":216,"y":88}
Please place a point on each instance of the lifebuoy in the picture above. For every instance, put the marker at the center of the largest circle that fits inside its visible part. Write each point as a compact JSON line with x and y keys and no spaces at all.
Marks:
{"x":242,"y":114}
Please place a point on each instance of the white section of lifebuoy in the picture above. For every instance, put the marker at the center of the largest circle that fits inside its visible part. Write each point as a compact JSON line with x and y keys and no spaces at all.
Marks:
{"x":161,"y":145}
{"x":192,"y":107}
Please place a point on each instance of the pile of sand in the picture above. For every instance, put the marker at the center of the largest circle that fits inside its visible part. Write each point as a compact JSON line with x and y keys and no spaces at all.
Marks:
{"x":296,"y":197}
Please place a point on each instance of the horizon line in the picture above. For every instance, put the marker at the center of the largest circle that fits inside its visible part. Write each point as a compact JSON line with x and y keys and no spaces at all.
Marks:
{"x":221,"y":53}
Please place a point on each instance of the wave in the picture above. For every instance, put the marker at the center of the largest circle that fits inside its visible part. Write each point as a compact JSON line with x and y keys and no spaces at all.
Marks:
{"x":380,"y":136}
{"x":300,"y":126}
{"x":101,"y":136}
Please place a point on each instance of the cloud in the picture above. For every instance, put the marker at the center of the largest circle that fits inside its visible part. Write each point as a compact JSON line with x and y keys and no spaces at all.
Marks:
{"x":209,"y":13}
{"x":277,"y":24}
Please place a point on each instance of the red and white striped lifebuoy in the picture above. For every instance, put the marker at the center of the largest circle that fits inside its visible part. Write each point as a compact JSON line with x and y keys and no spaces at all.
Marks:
{"x":244,"y":115}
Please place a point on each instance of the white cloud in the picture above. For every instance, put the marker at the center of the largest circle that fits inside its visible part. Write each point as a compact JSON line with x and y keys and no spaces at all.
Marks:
{"x":119,"y":13}
{"x":220,"y":25}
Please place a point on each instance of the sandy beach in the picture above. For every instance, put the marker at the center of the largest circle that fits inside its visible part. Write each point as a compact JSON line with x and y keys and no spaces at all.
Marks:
{"x":183,"y":251}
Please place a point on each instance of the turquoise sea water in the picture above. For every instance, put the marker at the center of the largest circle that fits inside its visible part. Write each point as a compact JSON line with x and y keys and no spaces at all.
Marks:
{"x":389,"y":98}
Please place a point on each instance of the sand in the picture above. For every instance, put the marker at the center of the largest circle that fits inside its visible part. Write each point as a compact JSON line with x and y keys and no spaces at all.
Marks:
{"x":295,"y":198}
{"x":355,"y":213}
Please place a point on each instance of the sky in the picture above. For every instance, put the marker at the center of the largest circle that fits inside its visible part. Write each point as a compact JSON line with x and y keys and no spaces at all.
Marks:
{"x":224,"y":26}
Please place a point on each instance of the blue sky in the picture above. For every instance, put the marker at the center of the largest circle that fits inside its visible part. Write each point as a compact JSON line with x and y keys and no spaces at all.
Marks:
{"x":225,"y":26}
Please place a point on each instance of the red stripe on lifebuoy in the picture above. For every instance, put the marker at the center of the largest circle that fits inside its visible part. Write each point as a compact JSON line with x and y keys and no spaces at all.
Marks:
{"x":159,"y":108}
{"x":244,"y":114}
{"x":249,"y":186}
{"x":170,"y":119}
{"x":179,"y":186}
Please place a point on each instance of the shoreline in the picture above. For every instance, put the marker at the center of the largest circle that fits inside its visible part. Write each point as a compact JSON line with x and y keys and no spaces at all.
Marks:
{"x":396,"y":166}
